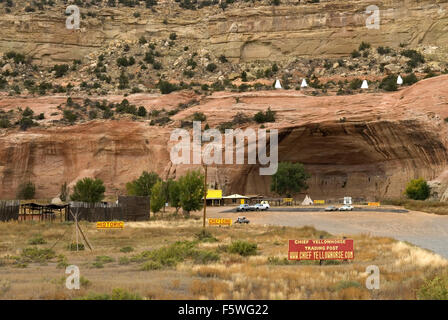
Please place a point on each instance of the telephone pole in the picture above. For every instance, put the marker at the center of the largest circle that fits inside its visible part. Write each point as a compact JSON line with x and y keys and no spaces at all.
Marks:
{"x":205,"y":195}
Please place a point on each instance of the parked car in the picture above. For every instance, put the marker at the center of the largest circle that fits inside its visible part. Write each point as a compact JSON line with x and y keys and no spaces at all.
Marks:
{"x":331,"y":208}
{"x":261,"y":206}
{"x":242,"y":220}
{"x":346,"y":208}
{"x":245,"y":207}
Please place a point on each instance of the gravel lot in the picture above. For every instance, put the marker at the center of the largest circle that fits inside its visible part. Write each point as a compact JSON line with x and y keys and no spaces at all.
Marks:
{"x":425,"y":230}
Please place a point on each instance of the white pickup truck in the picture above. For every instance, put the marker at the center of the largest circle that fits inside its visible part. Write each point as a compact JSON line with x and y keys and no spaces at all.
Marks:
{"x":261,"y":206}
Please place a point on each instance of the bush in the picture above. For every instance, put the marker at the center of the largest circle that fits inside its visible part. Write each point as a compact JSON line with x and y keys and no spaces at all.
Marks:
{"x":199,"y":116}
{"x":410,"y":79}
{"x":142,"y":112}
{"x":355,"y":54}
{"x":389,"y":83}
{"x":363,"y":46}
{"x":36,"y":255}
{"x":38,"y":239}
{"x":166,"y":87}
{"x":435,"y":289}
{"x":26,"y":191}
{"x":243,"y":248}
{"x":417,"y":189}
{"x":126,"y":249}
{"x":268,"y":116}
{"x":211,"y":67}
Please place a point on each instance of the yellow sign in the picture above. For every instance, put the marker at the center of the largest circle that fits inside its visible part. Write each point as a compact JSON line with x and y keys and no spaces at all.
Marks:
{"x":214,"y":194}
{"x":287,"y":199}
{"x":110,"y":225}
{"x":220,"y":221}
{"x":375,"y":204}
{"x":319,"y":201}
{"x":242,"y":201}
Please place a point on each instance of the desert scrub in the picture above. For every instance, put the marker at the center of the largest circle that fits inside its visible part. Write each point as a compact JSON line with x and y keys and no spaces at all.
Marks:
{"x":104,"y":259}
{"x":344,"y":284}
{"x":173,"y":254}
{"x":205,"y":236}
{"x":243,"y":248}
{"x":37,"y":239}
{"x":124,"y":261}
{"x":36,"y":255}
{"x":117,"y":294}
{"x":434,"y":289}
{"x":126,"y":249}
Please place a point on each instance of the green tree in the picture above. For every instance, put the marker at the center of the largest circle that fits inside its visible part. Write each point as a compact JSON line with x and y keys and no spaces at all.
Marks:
{"x":143,"y":185}
{"x":88,"y":190}
{"x":289,"y":179}
{"x":174,"y":194}
{"x":191,"y":191}
{"x":158,"y":196}
{"x":26,"y":191}
{"x":417,"y":189}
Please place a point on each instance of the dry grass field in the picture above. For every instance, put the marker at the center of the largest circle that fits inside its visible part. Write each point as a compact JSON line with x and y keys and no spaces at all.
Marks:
{"x":169,"y":259}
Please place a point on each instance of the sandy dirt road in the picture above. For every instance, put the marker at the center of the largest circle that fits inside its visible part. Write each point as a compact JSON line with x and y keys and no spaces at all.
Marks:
{"x":425,"y":230}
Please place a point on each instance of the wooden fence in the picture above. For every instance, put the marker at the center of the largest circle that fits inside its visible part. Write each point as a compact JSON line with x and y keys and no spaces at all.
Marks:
{"x":94,"y":212}
{"x":9,"y":210}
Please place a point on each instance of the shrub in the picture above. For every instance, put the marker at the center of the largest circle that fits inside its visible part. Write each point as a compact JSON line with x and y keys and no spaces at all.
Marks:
{"x":37,"y":255}
{"x":243,"y":248}
{"x":363,"y":46}
{"x":26,"y":191}
{"x":142,"y":112}
{"x":166,"y":87}
{"x":211,"y":67}
{"x":70,"y":116}
{"x":355,"y":84}
{"x":38,"y":239}
{"x":268,"y":116}
{"x":410,"y":79}
{"x":417,"y":189}
{"x":60,"y":69}
{"x":104,"y":259}
{"x":383,"y":50}
{"x":199,"y":116}
{"x":126,"y":249}
{"x":389,"y":83}
{"x":355,"y":54}
{"x":434,"y":289}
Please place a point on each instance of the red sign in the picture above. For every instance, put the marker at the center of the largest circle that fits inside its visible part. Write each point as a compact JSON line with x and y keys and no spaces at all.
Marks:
{"x":322,"y":249}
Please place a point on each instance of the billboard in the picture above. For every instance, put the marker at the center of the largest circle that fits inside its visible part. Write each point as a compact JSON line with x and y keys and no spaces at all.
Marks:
{"x":374,"y":204}
{"x":322,"y":249}
{"x":319,"y":201}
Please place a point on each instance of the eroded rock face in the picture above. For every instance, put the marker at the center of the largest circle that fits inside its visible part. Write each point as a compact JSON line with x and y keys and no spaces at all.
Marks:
{"x":243,"y":32}
{"x":366,"y":145}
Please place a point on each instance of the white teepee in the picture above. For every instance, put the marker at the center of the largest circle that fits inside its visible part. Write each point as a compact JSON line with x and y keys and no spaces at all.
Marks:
{"x":364,"y":85}
{"x":304,"y":84}
{"x":307,"y":201}
{"x":399,"y":80}
{"x":277,"y":85}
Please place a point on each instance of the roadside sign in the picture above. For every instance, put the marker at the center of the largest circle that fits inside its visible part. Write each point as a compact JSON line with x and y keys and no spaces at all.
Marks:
{"x":109,"y":225}
{"x":287,"y":199}
{"x":374,"y":204}
{"x":319,"y":201}
{"x":220,"y":221}
{"x":242,"y":201}
{"x":322,"y":249}
{"x":347,"y":200}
